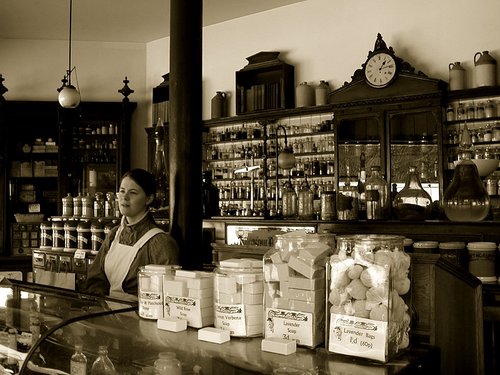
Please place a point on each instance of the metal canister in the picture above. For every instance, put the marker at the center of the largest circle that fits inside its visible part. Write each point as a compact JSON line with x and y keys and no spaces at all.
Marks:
{"x":46,"y":235}
{"x":67,"y":205}
{"x":99,"y":205}
{"x":109,"y":204}
{"x":57,"y":235}
{"x":77,"y":206}
{"x":87,"y":206}
{"x":83,"y":236}
{"x":70,"y":235}
{"x":491,"y":186}
{"x":96,"y":235}
{"x":328,"y":210}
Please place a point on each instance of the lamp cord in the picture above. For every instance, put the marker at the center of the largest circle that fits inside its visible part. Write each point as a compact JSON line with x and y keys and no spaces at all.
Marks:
{"x":69,"y":49}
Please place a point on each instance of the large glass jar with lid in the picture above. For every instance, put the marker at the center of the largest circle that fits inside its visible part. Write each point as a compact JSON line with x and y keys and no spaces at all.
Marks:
{"x":306,"y":201}
{"x":377,"y":196}
{"x":347,"y":202}
{"x":290,"y":208}
{"x":412,"y":202}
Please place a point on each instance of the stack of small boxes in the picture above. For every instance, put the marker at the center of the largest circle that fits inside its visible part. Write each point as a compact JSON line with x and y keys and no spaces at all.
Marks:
{"x":189,"y":297}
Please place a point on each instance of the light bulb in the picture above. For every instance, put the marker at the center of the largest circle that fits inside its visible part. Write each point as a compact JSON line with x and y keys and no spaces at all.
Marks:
{"x":69,"y":97}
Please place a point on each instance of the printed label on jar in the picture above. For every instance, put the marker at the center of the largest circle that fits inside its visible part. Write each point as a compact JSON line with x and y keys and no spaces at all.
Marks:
{"x":189,"y":309}
{"x":357,"y":337}
{"x":290,"y":325}
{"x":150,"y":305}
{"x":231,"y":318}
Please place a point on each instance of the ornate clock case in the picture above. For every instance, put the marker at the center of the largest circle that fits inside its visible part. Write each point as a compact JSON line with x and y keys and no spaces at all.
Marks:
{"x":396,"y":127}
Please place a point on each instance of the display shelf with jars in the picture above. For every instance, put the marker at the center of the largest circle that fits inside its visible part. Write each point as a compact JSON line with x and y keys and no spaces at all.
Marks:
{"x":477,"y":112}
{"x":241,"y":151}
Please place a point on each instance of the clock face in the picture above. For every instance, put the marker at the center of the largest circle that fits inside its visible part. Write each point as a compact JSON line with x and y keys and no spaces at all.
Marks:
{"x":380,"y":70}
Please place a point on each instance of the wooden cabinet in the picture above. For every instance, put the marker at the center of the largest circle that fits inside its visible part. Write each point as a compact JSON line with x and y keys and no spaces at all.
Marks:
{"x":49,"y":152}
{"x":266,"y":83}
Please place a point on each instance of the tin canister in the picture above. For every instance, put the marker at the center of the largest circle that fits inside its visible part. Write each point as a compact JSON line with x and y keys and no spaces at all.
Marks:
{"x":150,"y":289}
{"x":70,"y":235}
{"x":46,"y":235}
{"x":87,"y":206}
{"x":482,"y":256}
{"x":83,"y":236}
{"x":328,"y":206}
{"x":57,"y":235}
{"x":454,"y":252}
{"x":96,"y":235}
{"x":67,"y":205}
{"x":77,"y":206}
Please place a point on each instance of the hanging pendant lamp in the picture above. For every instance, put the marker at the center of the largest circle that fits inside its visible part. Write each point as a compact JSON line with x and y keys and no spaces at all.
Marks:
{"x":69,"y":97}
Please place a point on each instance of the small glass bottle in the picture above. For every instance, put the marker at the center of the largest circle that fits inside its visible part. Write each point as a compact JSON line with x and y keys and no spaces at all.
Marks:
{"x":412,"y":202}
{"x":167,"y":364}
{"x":78,"y":363}
{"x":377,"y":196}
{"x":103,"y":365}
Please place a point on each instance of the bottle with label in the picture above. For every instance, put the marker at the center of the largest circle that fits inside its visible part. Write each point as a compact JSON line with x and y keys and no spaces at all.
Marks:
{"x":78,"y":363}
{"x":103,"y":365}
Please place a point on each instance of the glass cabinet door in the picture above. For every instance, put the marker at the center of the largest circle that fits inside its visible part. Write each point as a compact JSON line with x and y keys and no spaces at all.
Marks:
{"x":414,"y":137}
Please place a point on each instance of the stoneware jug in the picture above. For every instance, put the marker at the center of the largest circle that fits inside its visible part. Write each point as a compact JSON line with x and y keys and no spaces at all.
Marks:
{"x":321,"y":93}
{"x":485,"y":69}
{"x":457,"y":76}
{"x":304,"y":95}
{"x":219,"y":106}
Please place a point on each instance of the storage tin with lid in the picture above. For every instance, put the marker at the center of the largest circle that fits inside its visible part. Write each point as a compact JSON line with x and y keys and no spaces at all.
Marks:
{"x":96,"y":235}
{"x":150,"y":288}
{"x":70,"y":235}
{"x":83,"y":236}
{"x":57,"y":235}
{"x":430,"y":247}
{"x":46,"y":235}
{"x":238,"y":297}
{"x":454,"y":252}
{"x":482,"y":260}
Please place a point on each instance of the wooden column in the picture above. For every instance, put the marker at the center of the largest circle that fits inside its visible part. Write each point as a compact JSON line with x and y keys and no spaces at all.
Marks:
{"x":185,"y":129}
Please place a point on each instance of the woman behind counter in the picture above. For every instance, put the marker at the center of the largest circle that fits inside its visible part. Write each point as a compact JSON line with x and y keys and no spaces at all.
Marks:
{"x":136,"y":242}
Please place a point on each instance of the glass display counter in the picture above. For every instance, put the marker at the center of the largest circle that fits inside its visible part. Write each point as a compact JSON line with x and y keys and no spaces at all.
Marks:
{"x":48,"y":322}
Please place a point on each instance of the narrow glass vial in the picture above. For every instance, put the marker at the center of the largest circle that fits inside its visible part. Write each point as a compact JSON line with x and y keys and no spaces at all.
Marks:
{"x":78,"y":364}
{"x":160,"y":171}
{"x":103,"y":365}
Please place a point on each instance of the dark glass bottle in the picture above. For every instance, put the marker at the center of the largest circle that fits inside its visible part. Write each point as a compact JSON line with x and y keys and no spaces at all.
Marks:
{"x":210,"y":196}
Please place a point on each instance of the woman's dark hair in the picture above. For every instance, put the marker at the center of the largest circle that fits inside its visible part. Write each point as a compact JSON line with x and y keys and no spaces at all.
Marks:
{"x":144,"y":179}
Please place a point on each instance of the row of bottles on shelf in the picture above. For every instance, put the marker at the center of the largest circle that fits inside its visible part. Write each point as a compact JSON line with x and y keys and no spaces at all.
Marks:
{"x":253,"y":130}
{"x":324,"y":144}
{"x":312,"y":166}
{"x":488,"y":133}
{"x":97,"y":129}
{"x":472,"y":110}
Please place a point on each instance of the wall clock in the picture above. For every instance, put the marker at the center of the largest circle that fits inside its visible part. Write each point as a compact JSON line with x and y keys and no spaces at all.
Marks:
{"x":380,"y":70}
{"x":382,"y":66}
